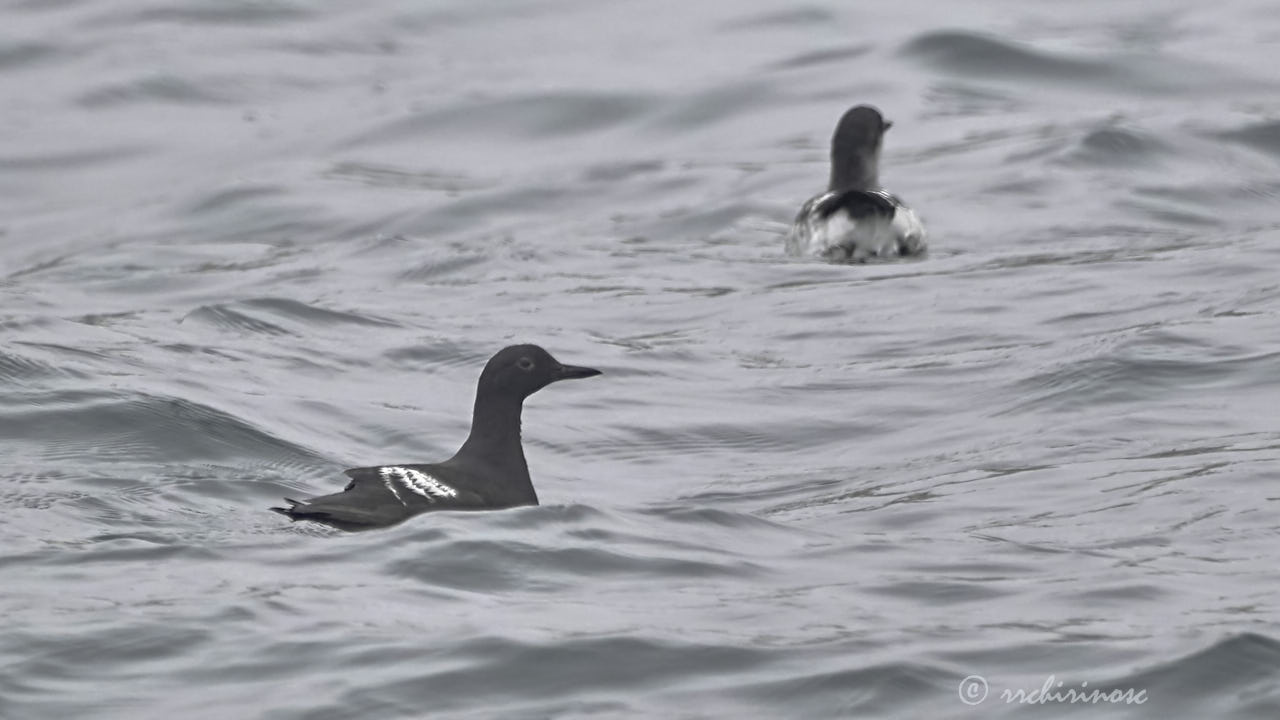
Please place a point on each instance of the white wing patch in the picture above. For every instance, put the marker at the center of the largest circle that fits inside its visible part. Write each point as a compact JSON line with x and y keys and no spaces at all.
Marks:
{"x":417,"y":481}
{"x":386,"y":480}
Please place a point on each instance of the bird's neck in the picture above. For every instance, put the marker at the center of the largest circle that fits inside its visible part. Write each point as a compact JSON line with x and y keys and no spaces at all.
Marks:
{"x":495,"y":439}
{"x":854,"y":171}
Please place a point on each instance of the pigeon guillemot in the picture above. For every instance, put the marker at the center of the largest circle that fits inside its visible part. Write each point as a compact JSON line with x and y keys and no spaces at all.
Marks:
{"x":855,"y":219}
{"x":487,"y":473}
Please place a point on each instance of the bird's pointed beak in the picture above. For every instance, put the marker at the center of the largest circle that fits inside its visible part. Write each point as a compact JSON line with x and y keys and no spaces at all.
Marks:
{"x":574,"y":372}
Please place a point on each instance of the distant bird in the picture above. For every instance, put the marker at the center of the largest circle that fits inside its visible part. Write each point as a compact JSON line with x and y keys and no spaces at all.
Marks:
{"x":856,"y":219}
{"x":487,"y":473}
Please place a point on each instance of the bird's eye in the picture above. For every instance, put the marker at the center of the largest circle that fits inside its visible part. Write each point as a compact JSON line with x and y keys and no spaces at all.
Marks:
{"x":525,"y":364}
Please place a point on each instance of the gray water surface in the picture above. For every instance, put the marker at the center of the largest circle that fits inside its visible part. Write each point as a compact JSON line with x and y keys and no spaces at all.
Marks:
{"x":244,"y":245}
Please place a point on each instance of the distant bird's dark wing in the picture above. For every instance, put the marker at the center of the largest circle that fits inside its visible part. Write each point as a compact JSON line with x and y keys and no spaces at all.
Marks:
{"x":859,"y":204}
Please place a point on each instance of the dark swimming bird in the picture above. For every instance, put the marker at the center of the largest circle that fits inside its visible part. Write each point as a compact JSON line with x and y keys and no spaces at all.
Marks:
{"x":856,"y":219}
{"x":487,"y":473}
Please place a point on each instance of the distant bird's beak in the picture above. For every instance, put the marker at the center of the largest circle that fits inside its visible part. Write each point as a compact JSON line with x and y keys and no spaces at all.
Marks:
{"x":573,"y":372}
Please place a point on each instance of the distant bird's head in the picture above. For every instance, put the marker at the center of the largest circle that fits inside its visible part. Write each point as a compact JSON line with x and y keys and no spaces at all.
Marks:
{"x":855,"y":149}
{"x":522,"y":370}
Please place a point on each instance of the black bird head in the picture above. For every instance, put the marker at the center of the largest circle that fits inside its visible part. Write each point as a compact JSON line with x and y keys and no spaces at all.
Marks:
{"x":522,"y":370}
{"x":855,"y":149}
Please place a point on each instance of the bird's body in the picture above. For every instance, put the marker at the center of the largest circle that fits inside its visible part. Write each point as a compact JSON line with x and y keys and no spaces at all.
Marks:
{"x":855,"y":226}
{"x":487,"y":473}
{"x":855,"y":219}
